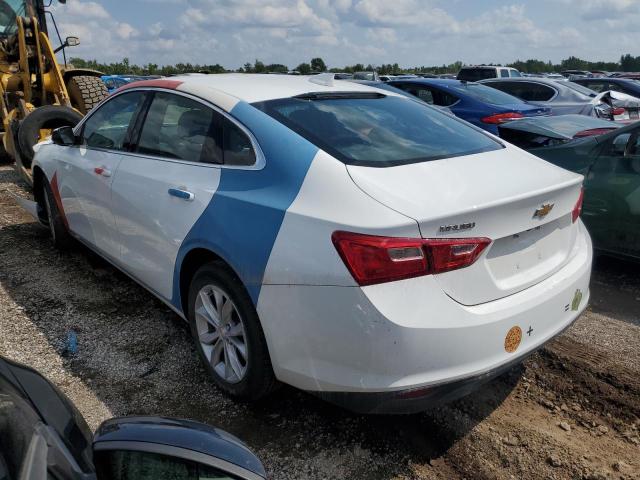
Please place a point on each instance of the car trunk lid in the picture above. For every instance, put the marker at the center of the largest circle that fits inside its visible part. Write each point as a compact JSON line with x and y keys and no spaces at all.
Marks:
{"x":495,"y":195}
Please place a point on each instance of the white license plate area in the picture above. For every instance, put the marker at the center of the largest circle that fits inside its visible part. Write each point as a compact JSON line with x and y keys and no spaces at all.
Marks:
{"x":530,"y":255}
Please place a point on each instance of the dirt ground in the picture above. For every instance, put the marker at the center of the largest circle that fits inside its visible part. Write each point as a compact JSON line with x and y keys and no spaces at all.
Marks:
{"x":571,"y":412}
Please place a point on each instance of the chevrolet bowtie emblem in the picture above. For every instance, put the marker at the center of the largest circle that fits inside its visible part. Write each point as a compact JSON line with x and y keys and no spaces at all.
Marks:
{"x":543,"y":211}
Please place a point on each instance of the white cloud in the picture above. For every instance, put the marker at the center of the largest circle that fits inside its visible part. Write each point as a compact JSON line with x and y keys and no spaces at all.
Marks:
{"x":410,"y":32}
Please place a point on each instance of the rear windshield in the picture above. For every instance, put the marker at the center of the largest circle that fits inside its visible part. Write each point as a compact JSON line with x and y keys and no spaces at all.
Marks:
{"x":377,"y":130}
{"x":580,"y":89}
{"x":485,"y":94}
{"x":475,"y":74}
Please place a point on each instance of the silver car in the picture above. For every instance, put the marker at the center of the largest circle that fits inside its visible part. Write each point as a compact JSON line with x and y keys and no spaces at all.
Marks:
{"x":563,"y":97}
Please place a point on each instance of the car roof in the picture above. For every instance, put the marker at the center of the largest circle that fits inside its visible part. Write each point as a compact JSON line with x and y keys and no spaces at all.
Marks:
{"x":520,"y":79}
{"x":443,"y":82}
{"x":486,"y":66}
{"x":227,"y":89}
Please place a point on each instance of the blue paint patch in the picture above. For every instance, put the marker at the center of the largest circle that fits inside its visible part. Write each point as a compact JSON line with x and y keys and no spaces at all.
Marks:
{"x":243,"y":219}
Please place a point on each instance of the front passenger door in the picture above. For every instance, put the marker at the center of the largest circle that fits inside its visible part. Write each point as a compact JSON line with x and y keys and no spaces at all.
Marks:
{"x":87,"y":171}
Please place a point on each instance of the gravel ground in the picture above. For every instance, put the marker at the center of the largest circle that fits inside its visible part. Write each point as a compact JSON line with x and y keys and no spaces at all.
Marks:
{"x":572,"y":411}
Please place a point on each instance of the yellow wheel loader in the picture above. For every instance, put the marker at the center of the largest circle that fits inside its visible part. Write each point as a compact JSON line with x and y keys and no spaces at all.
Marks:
{"x":37,"y":94}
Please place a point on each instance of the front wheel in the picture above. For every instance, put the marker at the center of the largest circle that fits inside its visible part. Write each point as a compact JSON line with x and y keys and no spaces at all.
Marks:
{"x":227,"y":332}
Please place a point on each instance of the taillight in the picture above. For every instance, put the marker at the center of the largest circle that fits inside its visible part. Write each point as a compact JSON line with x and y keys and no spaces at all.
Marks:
{"x":592,"y":132}
{"x":618,"y":111}
{"x":372,"y":259}
{"x":577,"y":209}
{"x":502,"y":118}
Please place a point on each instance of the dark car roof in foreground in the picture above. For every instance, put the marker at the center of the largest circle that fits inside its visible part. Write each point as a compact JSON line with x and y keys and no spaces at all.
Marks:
{"x":196,"y":435}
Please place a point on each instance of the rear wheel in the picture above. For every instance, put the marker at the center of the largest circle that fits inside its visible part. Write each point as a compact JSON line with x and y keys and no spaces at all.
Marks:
{"x":86,"y":92}
{"x":227,"y":332}
{"x":62,"y":240}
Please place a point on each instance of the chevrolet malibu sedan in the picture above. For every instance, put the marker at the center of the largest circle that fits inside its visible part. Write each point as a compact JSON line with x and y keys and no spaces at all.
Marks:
{"x":349,"y":241}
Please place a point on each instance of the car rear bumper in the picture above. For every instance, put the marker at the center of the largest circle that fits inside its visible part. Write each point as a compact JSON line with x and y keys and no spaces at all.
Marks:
{"x":368,"y":348}
{"x":417,"y":399}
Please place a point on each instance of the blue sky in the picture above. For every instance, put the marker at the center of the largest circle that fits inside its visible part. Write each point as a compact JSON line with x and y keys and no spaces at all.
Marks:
{"x":410,"y":32}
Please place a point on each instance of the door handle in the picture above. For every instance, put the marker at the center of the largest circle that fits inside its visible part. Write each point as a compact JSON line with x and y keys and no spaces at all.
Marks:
{"x":182,"y":194}
{"x":105,"y":172}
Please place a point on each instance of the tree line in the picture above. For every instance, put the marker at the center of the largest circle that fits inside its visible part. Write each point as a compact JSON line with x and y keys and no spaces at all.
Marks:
{"x":627,"y":63}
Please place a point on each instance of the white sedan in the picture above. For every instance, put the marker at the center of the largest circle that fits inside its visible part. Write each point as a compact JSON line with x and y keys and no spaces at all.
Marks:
{"x":346,"y":240}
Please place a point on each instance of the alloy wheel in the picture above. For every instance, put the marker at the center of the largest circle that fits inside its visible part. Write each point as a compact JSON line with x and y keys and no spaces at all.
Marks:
{"x":221,"y":333}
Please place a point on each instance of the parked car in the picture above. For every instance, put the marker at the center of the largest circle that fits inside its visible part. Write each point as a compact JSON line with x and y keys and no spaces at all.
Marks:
{"x":385,"y":86}
{"x":43,"y":436}
{"x":113,"y":82}
{"x":608,"y":155}
{"x":343,"y":239}
{"x":481,"y":105}
{"x":569,"y":73}
{"x":633,"y":75}
{"x":624,"y":85}
{"x":563,"y":97}
{"x":366,"y":76}
{"x":480,"y":72}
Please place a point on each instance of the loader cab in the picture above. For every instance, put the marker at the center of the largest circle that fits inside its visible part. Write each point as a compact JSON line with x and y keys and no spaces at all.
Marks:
{"x":10,"y":10}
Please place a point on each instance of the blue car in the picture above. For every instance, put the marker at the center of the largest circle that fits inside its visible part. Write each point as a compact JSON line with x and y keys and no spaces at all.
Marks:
{"x":114,"y":82}
{"x":478,"y":104}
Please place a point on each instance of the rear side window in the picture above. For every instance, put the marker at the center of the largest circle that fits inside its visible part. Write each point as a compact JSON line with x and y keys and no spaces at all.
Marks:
{"x":504,"y":72}
{"x":107,"y":127}
{"x":377,"y":130}
{"x":237,"y":147}
{"x":475,"y":74}
{"x":529,"y":91}
{"x":432,"y":96}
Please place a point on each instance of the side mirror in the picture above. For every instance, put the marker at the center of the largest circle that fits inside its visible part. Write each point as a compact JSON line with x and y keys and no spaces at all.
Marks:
{"x":149,"y":448}
{"x":72,"y":41}
{"x":68,"y":42}
{"x":63,"y":136}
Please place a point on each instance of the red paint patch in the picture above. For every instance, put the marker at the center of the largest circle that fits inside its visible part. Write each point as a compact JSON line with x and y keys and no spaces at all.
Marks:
{"x":158,"y":83}
{"x":58,"y":198}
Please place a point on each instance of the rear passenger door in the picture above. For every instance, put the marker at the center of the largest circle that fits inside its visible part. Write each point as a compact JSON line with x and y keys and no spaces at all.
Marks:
{"x":166,"y":183}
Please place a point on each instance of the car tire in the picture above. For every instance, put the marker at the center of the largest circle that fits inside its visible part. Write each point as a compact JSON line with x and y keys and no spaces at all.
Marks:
{"x":223,"y":331}
{"x":46,"y":117}
{"x":61,"y":237}
{"x":86,"y":91}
